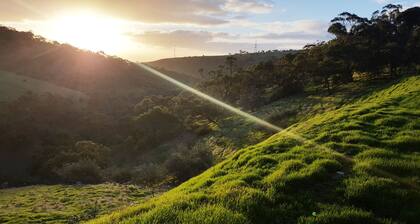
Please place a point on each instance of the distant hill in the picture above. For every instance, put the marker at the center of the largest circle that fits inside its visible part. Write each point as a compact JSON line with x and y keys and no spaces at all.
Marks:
{"x":190,"y":66}
{"x":13,"y":86}
{"x":26,"y":54}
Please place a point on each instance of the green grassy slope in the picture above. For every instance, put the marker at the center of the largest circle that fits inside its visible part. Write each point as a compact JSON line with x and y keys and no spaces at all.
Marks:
{"x":359,"y":164}
{"x":12,"y":86}
{"x":65,"y":204}
{"x":234,"y":132}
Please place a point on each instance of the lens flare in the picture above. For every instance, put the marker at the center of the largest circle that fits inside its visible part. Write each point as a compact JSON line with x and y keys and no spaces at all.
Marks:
{"x":270,"y":126}
{"x":214,"y":100}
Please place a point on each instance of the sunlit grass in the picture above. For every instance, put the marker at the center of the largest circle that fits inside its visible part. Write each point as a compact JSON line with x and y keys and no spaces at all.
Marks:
{"x":372,"y":178}
{"x":65,"y":204}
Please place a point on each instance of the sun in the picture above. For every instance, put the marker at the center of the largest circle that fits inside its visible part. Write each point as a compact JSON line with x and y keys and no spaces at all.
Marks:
{"x":88,"y":30}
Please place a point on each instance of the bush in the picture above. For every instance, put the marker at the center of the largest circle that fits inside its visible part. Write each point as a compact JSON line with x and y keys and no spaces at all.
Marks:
{"x":148,"y":173}
{"x":85,"y":171}
{"x":187,"y":163}
{"x":119,"y":175}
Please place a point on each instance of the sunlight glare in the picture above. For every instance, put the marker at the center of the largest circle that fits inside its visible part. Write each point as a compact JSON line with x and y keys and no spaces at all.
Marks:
{"x":213,"y":100}
{"x":88,"y":30}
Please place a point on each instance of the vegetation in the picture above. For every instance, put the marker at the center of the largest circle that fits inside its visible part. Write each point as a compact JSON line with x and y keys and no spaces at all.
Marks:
{"x":66,"y":204}
{"x":90,"y":147}
{"x":197,"y":67}
{"x":345,"y":168}
{"x":348,"y":153}
{"x":384,"y":46}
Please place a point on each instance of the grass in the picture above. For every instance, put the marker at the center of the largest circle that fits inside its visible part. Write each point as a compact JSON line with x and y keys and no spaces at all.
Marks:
{"x":235,"y":132}
{"x":13,"y":86}
{"x":65,"y":204}
{"x":359,"y":164}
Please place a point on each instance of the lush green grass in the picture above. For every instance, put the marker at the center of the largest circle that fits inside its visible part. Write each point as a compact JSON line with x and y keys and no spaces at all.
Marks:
{"x":235,"y":132}
{"x":355,"y":164}
{"x":12,"y":86}
{"x":65,"y":204}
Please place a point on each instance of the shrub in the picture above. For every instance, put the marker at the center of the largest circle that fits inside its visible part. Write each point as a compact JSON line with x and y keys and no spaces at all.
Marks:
{"x":187,"y":163}
{"x":119,"y":175}
{"x":149,"y":173}
{"x":85,"y":171}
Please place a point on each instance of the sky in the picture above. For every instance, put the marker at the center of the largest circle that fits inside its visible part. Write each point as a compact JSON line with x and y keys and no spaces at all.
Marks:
{"x":145,"y":30}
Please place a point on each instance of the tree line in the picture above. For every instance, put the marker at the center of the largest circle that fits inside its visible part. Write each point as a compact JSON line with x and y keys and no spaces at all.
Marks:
{"x":383,"y":46}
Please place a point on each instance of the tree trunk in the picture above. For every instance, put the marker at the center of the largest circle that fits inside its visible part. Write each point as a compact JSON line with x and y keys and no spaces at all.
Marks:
{"x":392,"y":69}
{"x":348,"y":76}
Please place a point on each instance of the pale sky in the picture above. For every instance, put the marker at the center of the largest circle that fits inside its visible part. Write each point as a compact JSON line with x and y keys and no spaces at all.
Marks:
{"x":144,"y":30}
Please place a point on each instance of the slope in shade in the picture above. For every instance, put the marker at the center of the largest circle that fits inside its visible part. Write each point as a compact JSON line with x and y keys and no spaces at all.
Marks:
{"x":13,"y":86}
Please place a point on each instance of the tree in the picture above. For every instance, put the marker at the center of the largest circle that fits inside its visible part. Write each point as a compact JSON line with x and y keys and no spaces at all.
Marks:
{"x":201,"y":72}
{"x":156,"y":126}
{"x":188,"y":162}
{"x":230,"y":62}
{"x":349,"y":21}
{"x":84,"y":171}
{"x":409,"y":18}
{"x":338,"y":29}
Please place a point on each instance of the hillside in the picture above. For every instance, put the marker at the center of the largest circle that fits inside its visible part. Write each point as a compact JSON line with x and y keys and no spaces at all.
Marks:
{"x":349,"y":107}
{"x":26,"y":54}
{"x":356,"y":164}
{"x":190,"y":66}
{"x":13,"y":86}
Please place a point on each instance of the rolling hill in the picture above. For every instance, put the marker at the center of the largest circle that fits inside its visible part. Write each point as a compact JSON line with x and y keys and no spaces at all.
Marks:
{"x":26,"y":54}
{"x":13,"y":86}
{"x":356,"y":164}
{"x":190,"y":66}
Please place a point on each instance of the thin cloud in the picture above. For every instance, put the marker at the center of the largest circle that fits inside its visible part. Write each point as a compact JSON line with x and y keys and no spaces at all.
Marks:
{"x":222,"y":42}
{"x":382,"y":1}
{"x":250,"y":6}
{"x":293,"y":35}
{"x":201,"y":12}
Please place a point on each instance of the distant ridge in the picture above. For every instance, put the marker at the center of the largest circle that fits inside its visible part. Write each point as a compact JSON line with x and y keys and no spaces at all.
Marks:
{"x":190,"y":66}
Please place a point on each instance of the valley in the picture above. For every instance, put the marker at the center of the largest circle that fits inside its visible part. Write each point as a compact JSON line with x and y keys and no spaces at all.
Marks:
{"x":325,"y":133}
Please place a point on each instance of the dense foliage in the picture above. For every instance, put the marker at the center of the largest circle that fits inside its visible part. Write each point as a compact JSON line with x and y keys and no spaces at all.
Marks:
{"x":50,"y":139}
{"x":384,"y":46}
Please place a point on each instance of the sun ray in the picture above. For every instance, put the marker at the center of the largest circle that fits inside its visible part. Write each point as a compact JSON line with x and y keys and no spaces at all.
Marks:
{"x":268,"y":125}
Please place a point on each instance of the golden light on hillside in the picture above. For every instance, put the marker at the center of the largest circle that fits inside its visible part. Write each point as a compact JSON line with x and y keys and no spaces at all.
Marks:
{"x":88,"y":30}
